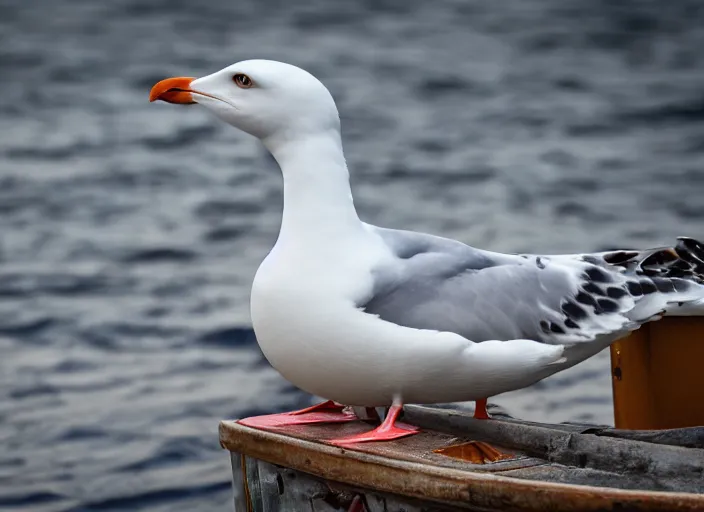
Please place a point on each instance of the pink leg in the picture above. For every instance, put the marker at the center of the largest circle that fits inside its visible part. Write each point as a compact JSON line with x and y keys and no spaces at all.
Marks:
{"x":480,"y":412}
{"x":326,"y":412}
{"x":387,"y":431}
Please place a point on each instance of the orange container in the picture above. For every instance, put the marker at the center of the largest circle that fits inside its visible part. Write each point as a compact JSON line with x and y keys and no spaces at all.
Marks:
{"x":658,"y":375}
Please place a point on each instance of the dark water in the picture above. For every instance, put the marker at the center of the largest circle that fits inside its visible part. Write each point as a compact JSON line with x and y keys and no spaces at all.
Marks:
{"x":130,"y":232}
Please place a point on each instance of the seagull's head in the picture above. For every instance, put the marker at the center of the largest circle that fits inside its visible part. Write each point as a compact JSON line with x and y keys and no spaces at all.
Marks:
{"x":267,"y":99}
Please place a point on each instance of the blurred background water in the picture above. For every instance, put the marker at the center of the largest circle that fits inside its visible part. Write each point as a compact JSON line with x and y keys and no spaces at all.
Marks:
{"x":130,"y":232}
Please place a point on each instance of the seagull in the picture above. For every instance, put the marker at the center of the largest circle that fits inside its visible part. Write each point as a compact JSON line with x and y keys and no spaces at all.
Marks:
{"x":368,"y":317}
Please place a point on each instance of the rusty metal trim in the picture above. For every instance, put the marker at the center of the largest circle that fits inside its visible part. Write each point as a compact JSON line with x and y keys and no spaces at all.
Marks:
{"x":464,"y":489}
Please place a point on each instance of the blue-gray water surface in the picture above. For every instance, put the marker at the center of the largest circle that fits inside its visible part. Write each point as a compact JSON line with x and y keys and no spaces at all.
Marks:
{"x":130,"y":232}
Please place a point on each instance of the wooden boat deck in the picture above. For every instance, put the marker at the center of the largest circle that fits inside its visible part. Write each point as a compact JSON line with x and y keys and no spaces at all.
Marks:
{"x":554,"y":467}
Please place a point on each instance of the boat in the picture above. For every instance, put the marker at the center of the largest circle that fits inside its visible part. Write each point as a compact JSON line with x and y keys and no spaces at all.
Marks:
{"x":652,"y":460}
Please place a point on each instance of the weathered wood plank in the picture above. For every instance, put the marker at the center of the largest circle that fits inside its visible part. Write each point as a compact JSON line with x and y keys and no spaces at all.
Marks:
{"x":410,"y":468}
{"x":638,"y":464}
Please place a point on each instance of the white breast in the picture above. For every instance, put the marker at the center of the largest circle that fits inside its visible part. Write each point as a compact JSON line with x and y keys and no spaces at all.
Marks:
{"x":305,"y":317}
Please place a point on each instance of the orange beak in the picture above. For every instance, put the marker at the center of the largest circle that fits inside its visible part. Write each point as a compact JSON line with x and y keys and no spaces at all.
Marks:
{"x":173,"y":90}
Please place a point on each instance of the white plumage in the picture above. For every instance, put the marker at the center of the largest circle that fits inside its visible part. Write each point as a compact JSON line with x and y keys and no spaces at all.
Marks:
{"x":370,"y":316}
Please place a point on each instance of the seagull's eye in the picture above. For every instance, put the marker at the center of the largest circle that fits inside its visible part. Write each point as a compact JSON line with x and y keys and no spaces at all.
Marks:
{"x":242,"y":81}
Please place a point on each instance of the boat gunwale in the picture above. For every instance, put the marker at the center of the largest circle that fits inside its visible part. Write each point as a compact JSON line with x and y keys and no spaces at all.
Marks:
{"x":468,"y":489}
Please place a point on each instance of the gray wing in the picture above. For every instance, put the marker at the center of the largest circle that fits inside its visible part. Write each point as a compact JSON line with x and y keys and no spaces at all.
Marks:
{"x":442,"y":284}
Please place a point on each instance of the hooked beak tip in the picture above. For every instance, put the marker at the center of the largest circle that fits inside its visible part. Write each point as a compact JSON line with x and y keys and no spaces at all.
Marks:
{"x":173,"y":90}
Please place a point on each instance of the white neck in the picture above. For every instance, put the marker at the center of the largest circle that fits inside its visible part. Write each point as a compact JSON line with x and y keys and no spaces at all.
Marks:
{"x":317,"y":196}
